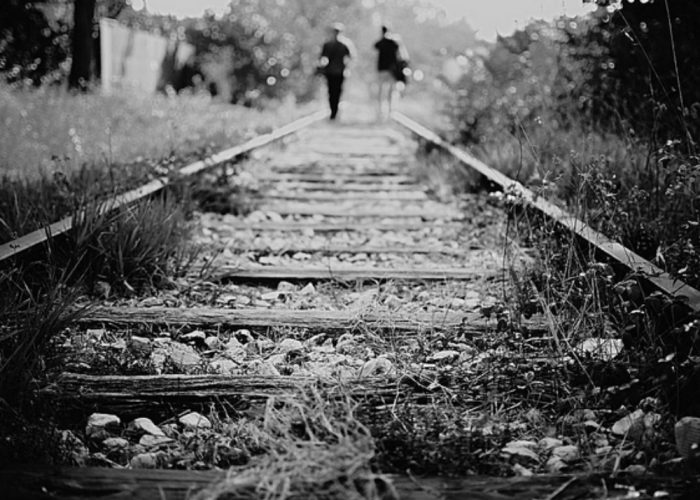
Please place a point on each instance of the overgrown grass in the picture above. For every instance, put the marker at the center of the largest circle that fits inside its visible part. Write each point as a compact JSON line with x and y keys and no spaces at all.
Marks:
{"x":121,"y":252}
{"x":48,"y":129}
{"x":75,"y":149}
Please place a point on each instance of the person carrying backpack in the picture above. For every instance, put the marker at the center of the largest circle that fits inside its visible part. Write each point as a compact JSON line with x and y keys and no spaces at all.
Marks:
{"x":392,"y":68}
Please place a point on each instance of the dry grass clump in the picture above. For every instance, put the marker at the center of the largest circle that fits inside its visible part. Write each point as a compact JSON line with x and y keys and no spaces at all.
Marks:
{"x":29,"y":318}
{"x":130,"y":249}
{"x":321,"y":451}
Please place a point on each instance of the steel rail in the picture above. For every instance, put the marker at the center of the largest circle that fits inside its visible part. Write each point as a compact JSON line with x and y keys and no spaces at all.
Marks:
{"x":659,"y":278}
{"x":64,"y":225}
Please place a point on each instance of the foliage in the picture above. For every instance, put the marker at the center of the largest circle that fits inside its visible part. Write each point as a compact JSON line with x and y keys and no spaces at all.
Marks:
{"x":649,"y":77}
{"x":123,"y":251}
{"x":30,"y":317}
{"x":549,"y":106}
{"x":255,"y":52}
{"x":34,"y":42}
{"x":127,"y":250}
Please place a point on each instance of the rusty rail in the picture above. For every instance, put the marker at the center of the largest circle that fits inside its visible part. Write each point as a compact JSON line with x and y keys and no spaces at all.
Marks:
{"x":659,"y":278}
{"x":40,"y":236}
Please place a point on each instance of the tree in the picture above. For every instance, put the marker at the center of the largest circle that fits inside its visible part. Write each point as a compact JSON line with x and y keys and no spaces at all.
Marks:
{"x":34,"y":41}
{"x":86,"y":39}
{"x":650,"y":75}
{"x":83,"y":45}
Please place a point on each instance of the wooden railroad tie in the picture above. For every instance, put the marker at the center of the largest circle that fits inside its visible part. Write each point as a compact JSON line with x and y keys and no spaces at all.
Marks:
{"x":70,"y":483}
{"x":359,"y":210}
{"x":349,"y":273}
{"x":334,"y":227}
{"x":306,"y":319}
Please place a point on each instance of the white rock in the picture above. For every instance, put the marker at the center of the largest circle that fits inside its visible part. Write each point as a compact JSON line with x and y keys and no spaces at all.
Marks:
{"x":555,"y":465}
{"x":270,"y":295}
{"x":263,"y":368}
{"x":599,"y":348}
{"x":158,"y":359}
{"x":95,"y":334}
{"x":226,"y":298}
{"x":309,"y":289}
{"x":145,"y":461}
{"x":182,"y":356}
{"x":150,"y":441}
{"x":457,"y":303}
{"x":522,"y":471}
{"x":393,"y":302}
{"x":234,"y":349}
{"x":224,"y":366}
{"x":141,"y":344}
{"x":194,"y":420}
{"x":286,"y":287}
{"x":635,"y":470}
{"x":301,"y":256}
{"x":243,"y":300}
{"x":521,"y":443}
{"x":102,"y":421}
{"x":625,"y":424}
{"x":151,"y":302}
{"x":212,"y":342}
{"x":196,"y":336}
{"x":118,"y":345}
{"x":568,"y":453}
{"x":145,"y":426}
{"x":277,"y":360}
{"x":549,"y":443}
{"x":447,"y":356}
{"x":521,"y":453}
{"x":290,"y":345}
{"x":377,"y":367}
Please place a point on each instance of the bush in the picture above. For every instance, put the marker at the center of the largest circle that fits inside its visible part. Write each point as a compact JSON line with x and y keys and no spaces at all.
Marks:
{"x":546,"y":107}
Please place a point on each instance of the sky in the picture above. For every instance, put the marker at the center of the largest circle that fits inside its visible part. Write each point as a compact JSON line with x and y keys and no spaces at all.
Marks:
{"x":488,"y":17}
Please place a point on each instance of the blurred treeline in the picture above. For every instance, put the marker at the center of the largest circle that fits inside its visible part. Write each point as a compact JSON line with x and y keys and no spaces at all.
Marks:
{"x":629,"y":68}
{"x":601,"y":114}
{"x":259,"y":49}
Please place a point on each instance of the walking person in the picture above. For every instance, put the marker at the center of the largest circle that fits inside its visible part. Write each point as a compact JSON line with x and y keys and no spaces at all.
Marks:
{"x":335,"y":56}
{"x":392,"y":63}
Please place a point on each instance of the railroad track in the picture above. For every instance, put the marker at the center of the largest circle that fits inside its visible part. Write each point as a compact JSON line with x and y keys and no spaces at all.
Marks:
{"x":349,"y":280}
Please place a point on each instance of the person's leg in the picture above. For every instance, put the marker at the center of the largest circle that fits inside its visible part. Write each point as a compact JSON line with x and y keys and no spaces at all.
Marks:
{"x":391,"y":88}
{"x":341,"y":80}
{"x":335,"y":86}
{"x":329,"y":83}
{"x":385,"y":94}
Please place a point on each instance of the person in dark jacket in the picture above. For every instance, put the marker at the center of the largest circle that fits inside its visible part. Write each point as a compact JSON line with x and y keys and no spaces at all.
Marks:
{"x":392,"y":59}
{"x":335,"y":56}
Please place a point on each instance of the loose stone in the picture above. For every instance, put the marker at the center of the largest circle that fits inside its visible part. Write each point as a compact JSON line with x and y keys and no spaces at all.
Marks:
{"x":194,"y":420}
{"x":145,"y":426}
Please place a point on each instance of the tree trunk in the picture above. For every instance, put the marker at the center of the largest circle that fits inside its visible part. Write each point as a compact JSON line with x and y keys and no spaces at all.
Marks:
{"x":83,"y":47}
